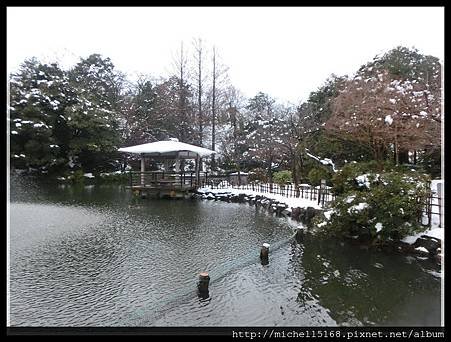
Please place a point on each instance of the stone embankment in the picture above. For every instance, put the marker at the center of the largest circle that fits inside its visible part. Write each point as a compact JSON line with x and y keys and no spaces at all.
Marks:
{"x":301,"y":214}
{"x":422,"y":246}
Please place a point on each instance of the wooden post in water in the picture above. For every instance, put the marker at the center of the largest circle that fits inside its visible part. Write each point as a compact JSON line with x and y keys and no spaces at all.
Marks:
{"x":204,"y":281}
{"x":264,"y":254}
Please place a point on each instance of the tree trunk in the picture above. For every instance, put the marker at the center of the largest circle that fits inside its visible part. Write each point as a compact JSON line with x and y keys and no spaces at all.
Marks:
{"x":199,"y":96}
{"x":270,"y":173}
{"x":396,"y":151}
{"x":213,"y":112}
{"x":182,"y":102}
{"x":403,"y":156}
{"x":294,"y":170}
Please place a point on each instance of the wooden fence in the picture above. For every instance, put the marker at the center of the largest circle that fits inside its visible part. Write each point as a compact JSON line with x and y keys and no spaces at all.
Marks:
{"x":323,"y":195}
{"x":434,"y":206}
{"x":320,"y":194}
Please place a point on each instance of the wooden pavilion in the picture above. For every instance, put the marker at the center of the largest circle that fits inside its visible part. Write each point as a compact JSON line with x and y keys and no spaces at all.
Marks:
{"x":166,"y":182}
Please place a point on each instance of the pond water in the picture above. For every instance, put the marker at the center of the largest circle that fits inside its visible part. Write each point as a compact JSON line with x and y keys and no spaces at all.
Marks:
{"x":96,"y":256}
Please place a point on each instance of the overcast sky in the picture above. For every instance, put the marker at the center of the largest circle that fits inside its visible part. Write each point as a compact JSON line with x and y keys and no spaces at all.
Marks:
{"x":285,"y":52}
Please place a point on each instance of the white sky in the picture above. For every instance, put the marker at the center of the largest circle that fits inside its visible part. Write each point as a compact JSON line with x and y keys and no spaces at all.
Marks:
{"x":285,"y":52}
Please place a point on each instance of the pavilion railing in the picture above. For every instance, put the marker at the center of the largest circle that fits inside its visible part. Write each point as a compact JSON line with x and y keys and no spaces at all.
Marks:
{"x":162,"y":179}
{"x":181,"y":179}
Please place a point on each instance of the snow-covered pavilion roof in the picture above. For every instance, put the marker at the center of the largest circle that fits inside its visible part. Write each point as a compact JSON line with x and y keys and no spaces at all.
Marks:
{"x":168,"y":148}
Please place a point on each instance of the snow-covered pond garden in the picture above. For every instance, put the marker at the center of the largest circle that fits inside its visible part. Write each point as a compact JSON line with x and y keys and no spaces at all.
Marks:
{"x":95,"y":255}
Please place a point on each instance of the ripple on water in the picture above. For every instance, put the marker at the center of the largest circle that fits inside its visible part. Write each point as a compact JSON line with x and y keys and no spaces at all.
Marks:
{"x":85,"y":259}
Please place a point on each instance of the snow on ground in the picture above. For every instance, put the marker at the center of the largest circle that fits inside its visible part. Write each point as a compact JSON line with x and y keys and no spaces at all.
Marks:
{"x":437,"y":233}
{"x":292,"y":202}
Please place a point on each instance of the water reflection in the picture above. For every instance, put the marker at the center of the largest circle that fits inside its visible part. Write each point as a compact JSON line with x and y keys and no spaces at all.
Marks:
{"x":362,"y":287}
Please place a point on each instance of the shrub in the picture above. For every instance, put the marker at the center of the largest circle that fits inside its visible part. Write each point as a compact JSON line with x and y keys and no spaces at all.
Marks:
{"x":344,"y":179}
{"x":258,"y":174}
{"x":316,"y":174}
{"x":282,"y":177}
{"x":77,"y":176}
{"x":113,"y":177}
{"x":376,"y":206}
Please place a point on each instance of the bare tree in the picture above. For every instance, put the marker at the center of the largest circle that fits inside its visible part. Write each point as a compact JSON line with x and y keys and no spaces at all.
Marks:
{"x":290,"y":139}
{"x":199,"y":80}
{"x":213,"y":110}
{"x":180,"y":63}
{"x":233,"y":119}
{"x":219,"y":77}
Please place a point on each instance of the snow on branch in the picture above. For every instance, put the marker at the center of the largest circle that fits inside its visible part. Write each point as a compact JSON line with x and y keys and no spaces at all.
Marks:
{"x":325,"y":161}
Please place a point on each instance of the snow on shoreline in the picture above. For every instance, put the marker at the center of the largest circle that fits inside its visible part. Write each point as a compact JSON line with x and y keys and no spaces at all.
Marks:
{"x":437,"y":233}
{"x":292,"y":202}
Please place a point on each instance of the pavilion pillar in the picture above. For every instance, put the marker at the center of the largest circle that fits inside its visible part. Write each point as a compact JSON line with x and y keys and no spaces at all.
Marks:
{"x":143,"y":169}
{"x":166,"y":165}
{"x":177,"y":163}
{"x":197,"y":171}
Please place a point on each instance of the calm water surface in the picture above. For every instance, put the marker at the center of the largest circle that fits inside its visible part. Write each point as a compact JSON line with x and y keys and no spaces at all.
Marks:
{"x":96,"y":256}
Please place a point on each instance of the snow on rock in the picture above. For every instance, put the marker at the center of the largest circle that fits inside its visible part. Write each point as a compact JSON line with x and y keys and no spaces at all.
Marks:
{"x":422,"y":249}
{"x":88,"y":175}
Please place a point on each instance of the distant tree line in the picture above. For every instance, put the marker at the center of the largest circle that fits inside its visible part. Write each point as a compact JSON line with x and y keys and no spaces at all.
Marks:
{"x":67,"y":120}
